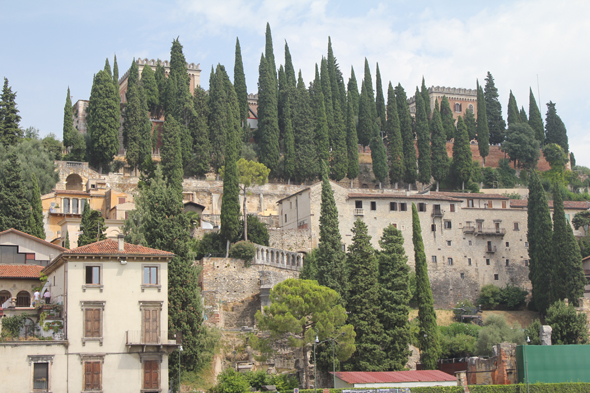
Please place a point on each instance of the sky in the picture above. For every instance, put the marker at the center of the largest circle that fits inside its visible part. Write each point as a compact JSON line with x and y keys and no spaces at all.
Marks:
{"x":543,"y":45}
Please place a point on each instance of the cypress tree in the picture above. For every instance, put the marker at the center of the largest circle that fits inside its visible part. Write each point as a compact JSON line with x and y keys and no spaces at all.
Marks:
{"x":200,"y":133}
{"x":426,"y":98}
{"x":339,"y":153}
{"x":172,"y":155}
{"x":283,"y":93}
{"x":270,"y":57}
{"x":574,"y":270}
{"x":496,"y":124}
{"x":10,"y":131}
{"x":170,"y":101}
{"x":535,"y":120}
{"x":351,"y":141}
{"x":362,"y":303}
{"x":232,"y":109}
{"x":217,"y":119}
{"x":470,"y":124}
{"x":523,"y":116}
{"x":394,"y":295}
{"x":92,"y":226}
{"x":289,"y":70}
{"x":160,"y":76}
{"x":336,"y":79}
{"x":182,"y":99}
{"x":394,"y":139}
{"x":440,"y":157}
{"x":150,"y":89}
{"x":107,"y":68}
{"x":380,"y":99}
{"x":15,"y":208}
{"x":321,"y":127}
{"x":306,"y":157}
{"x":446,"y":115}
{"x":483,"y":133}
{"x":240,"y":83}
{"x":68,"y":128}
{"x":268,"y":122}
{"x":116,"y":74}
{"x":330,"y":258}
{"x":67,"y":241}
{"x":423,"y":136}
{"x":368,"y":84}
{"x":230,"y":202}
{"x":36,"y":217}
{"x":428,"y":334}
{"x":405,"y":122}
{"x":365,"y":119}
{"x":289,"y":142}
{"x":462,"y":158}
{"x":353,"y":91}
{"x":555,"y":131}
{"x":103,"y":120}
{"x":326,"y":89}
{"x":539,"y":236}
{"x":513,"y":115}
{"x":378,"y":155}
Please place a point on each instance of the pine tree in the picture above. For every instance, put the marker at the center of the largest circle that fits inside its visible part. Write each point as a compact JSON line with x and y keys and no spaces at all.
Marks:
{"x":68,"y":127}
{"x":200,"y":133}
{"x":306,"y":157}
{"x":289,"y":142}
{"x":269,"y":56}
{"x":240,"y":83}
{"x":353,"y":91}
{"x":440,"y":157}
{"x":362,"y":303}
{"x":462,"y":158}
{"x":539,"y":237}
{"x":555,"y":131}
{"x":405,"y":122}
{"x":523,"y":116}
{"x":394,"y":139}
{"x":268,"y":122}
{"x":535,"y":120}
{"x":428,"y":334}
{"x":217,"y":118}
{"x":470,"y":124}
{"x":426,"y":98}
{"x":36,"y":217}
{"x":150,"y":88}
{"x":513,"y":115}
{"x":15,"y":208}
{"x":103,"y":120}
{"x":483,"y":133}
{"x":351,"y":141}
{"x":171,"y":154}
{"x":423,"y":137}
{"x":230,"y":202}
{"x":380,"y":99}
{"x":496,"y":124}
{"x":92,"y":226}
{"x":10,"y":131}
{"x":378,"y":156}
{"x":394,"y":295}
{"x":446,"y":115}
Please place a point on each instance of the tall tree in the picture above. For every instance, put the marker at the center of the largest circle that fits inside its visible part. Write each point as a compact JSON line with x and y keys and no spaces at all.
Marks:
{"x":107,"y":67}
{"x":462,"y":158}
{"x":289,"y":70}
{"x":539,"y":236}
{"x":326,"y":88}
{"x":230,"y":202}
{"x":483,"y":133}
{"x":103,"y":120}
{"x":116,"y":74}
{"x":520,"y":144}
{"x":68,"y":127}
{"x":380,"y":98}
{"x":446,"y":115}
{"x":289,"y":142}
{"x":353,"y":91}
{"x":10,"y":131}
{"x":405,"y":122}
{"x":368,"y":83}
{"x":270,"y":56}
{"x":394,"y":296}
{"x":339,"y":152}
{"x":217,"y":118}
{"x":513,"y":115}
{"x":496,"y":124}
{"x":363,"y":303}
{"x":150,"y":89}
{"x":535,"y":120}
{"x":200,"y":133}
{"x":268,"y":122}
{"x":36,"y":217}
{"x":428,"y":334}
{"x":250,"y":173}
{"x":423,"y":137}
{"x":378,"y":155}
{"x":92,"y":226}
{"x":364,"y":128}
{"x":555,"y":131}
{"x":171,"y":154}
{"x":180,"y":109}
{"x":351,"y":141}
{"x":321,"y":127}
{"x":160,"y":77}
{"x":471,"y":125}
{"x":440,"y":157}
{"x":306,"y":157}
{"x":240,"y":83}
{"x":395,"y":150}
{"x":523,"y":116}
{"x":336,"y":79}
{"x":15,"y":208}
{"x":426,"y":98}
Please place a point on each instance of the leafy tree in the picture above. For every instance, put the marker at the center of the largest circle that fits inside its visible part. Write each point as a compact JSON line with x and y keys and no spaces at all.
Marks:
{"x":52,"y":146}
{"x":483,"y":132}
{"x":506,"y":173}
{"x":495,"y":331}
{"x":581,"y":219}
{"x":353,"y":92}
{"x":440,"y":157}
{"x":394,"y":139}
{"x":380,"y":99}
{"x":257,"y":231}
{"x":462,"y":154}
{"x":405,"y":122}
{"x":231,"y":381}
{"x":200,"y":133}
{"x":423,"y":137}
{"x":309,"y":270}
{"x":36,"y":216}
{"x":521,"y":145}
{"x":68,"y":127}
{"x":103,"y":120}
{"x":150,"y":89}
{"x":513,"y":115}
{"x":15,"y":208}
{"x":10,"y":131}
{"x":306,"y":158}
{"x":300,"y":311}
{"x":496,"y":124}
{"x":535,"y":120}
{"x":446,"y":115}
{"x":77,"y":151}
{"x":394,"y":295}
{"x":250,"y":173}
{"x":555,"y":131}
{"x":240,"y":83}
{"x":92,"y":226}
{"x":378,"y":156}
{"x":362,"y":302}
{"x":268,"y":122}
{"x":556,"y":157}
{"x":171,"y":154}
{"x":471,"y":125}
{"x":429,"y":340}
{"x":491,"y":177}
{"x":568,"y":326}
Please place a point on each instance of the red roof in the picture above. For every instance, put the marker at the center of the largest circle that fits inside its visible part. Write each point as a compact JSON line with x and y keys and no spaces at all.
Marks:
{"x":581,"y":205}
{"x":109,"y":246}
{"x":431,"y":196}
{"x":20,"y":271}
{"x":353,"y":377}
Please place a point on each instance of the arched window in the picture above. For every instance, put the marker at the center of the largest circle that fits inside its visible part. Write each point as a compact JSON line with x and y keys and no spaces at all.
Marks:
{"x":23,"y":299}
{"x":4,"y":296}
{"x":470,"y":108}
{"x":457,"y":107}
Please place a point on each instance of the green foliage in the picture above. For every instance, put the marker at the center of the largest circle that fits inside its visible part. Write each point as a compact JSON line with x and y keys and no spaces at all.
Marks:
{"x":309,"y":270}
{"x":535,"y":120}
{"x":569,"y":326}
{"x":395,"y":150}
{"x":15,"y":208}
{"x":283,"y":382}
{"x":92,"y":226}
{"x":352,"y":140}
{"x":68,"y":126}
{"x":581,"y":219}
{"x":513,"y":115}
{"x":555,"y":131}
{"x":510,"y":297}
{"x":339,"y":153}
{"x":172,"y":155}
{"x":423,"y":137}
{"x":243,"y":250}
{"x":460,"y":345}
{"x":380,"y":99}
{"x":36,"y":217}
{"x":496,"y":124}
{"x":230,"y":204}
{"x":405,"y":122}
{"x":150,"y":88}
{"x":379,"y":155}
{"x":446,"y":115}
{"x":67,"y":241}
{"x":240,"y":83}
{"x":212,"y":243}
{"x":506,"y":173}
{"x":257,"y":231}
{"x":462,"y":159}
{"x":321,"y":127}
{"x":491,"y":178}
{"x":353,"y":91}
{"x":523,"y":116}
{"x":483,"y":132}
{"x":268,"y":122}
{"x":440,"y":157}
{"x":471,"y":125}
{"x":289,"y":140}
{"x":496,"y":330}
{"x":11,"y":326}
{"x":557,"y":158}
{"x":306,"y":158}
{"x":10,"y":131}
{"x":533,"y":332}
{"x":217,"y":117}
{"x":521,"y":145}
{"x":365,"y":121}
{"x":198,"y":127}
{"x":231,"y":381}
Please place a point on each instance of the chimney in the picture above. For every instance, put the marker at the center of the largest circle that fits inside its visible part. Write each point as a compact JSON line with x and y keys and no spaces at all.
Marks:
{"x":121,"y":242}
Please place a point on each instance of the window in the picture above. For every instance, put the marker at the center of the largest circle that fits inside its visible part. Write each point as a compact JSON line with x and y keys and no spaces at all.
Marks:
{"x":122,"y":200}
{"x":433,"y":227}
{"x":462,"y":275}
{"x":66,"y":205}
{"x":285,"y":218}
{"x":394,"y":225}
{"x":151,"y":375}
{"x":448,"y":242}
{"x":23,"y":299}
{"x":82,"y":203}
{"x":92,"y":322}
{"x":490,"y":204}
{"x":507,"y":244}
{"x":508,"y":262}
{"x":403,"y":207}
{"x":434,"y":259}
{"x":41,"y":376}
{"x":373,"y":205}
{"x":496,"y":277}
{"x":448,"y":225}
{"x":503,"y":204}
{"x":450,"y":261}
{"x":457,"y":107}
{"x":150,"y":275}
{"x":358,"y":204}
{"x":421,"y":207}
{"x":290,"y":205}
{"x":151,"y":325}
{"x":470,"y":203}
{"x":516,"y":226}
{"x":92,"y":275}
{"x":470,"y":242}
{"x":488,"y":262}
{"x":92,"y":376}
{"x":470,"y":108}
{"x":452,"y":207}
{"x":392,"y":206}
{"x":75,"y":206}
{"x":469,"y":261}
{"x":526,"y":244}
{"x":526,"y":262}
{"x":4,"y":296}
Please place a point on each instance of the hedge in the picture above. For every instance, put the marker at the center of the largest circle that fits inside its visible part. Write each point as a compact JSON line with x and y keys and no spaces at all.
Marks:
{"x":566,"y":387}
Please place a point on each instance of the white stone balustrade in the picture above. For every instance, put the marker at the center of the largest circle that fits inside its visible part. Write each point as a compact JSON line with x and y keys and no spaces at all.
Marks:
{"x":278,"y":258}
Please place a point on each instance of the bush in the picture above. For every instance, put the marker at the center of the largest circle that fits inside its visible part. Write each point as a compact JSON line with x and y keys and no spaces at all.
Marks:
{"x":569,"y":326}
{"x":212,"y":244}
{"x":496,"y":330}
{"x":11,"y":326}
{"x":489,"y":297}
{"x":458,"y":339}
{"x":231,"y":381}
{"x":533,"y":332}
{"x":510,"y":297}
{"x":257,"y":231}
{"x":243,"y":250}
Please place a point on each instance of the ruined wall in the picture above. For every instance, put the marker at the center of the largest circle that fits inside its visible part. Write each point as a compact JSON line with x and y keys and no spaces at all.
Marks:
{"x":499,"y":369}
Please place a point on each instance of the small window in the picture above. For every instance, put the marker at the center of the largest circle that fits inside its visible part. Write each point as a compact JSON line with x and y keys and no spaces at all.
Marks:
{"x":470,"y":203}
{"x":373,"y":205}
{"x":393,"y":206}
{"x":516,"y":227}
{"x":457,"y":107}
{"x":462,"y":275}
{"x":150,"y":275}
{"x":507,"y":244}
{"x":290,"y":205}
{"x":434,"y":259}
{"x":433,"y":227}
{"x":470,"y":243}
{"x":448,"y":225}
{"x":92,"y":376}
{"x":450,"y":261}
{"x":448,"y":242}
{"x":452,"y":207}
{"x":421,"y":207}
{"x":469,"y":261}
{"x":488,"y":262}
{"x":496,"y":277}
{"x":75,"y":206}
{"x":285,"y":218}
{"x":66,"y":202}
{"x":82,"y":203}
{"x":403,"y":207}
{"x":358,"y":204}
{"x":490,"y":204}
{"x":470,"y":108}
{"x":526,"y":244}
{"x":508,"y":262}
{"x":394,"y":225}
{"x":40,"y":376}
{"x":526,"y":262}
{"x":122,"y":200}
{"x":92,"y":275}
{"x":503,"y":204}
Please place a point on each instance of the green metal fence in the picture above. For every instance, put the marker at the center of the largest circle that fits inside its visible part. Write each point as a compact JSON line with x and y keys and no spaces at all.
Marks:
{"x":553,"y":363}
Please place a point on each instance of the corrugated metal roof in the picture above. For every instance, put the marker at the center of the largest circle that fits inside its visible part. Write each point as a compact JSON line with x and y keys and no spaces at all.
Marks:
{"x":353,"y":377}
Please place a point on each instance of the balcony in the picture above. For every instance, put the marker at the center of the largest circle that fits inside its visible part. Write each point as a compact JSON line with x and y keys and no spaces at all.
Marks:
{"x":140,"y":341}
{"x":359,"y":212}
{"x":437,"y":213}
{"x":480,"y":231}
{"x":491,"y":249}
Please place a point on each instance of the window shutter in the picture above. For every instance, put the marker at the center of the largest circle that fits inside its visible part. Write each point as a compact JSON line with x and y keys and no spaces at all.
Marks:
{"x":87,"y":376}
{"x":96,"y":377}
{"x":96,"y":323}
{"x":88,"y":323}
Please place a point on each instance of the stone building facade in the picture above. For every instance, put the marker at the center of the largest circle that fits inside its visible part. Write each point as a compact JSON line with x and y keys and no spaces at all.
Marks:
{"x":460,"y":100}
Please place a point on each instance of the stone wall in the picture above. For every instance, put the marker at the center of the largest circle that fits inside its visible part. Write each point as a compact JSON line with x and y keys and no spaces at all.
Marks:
{"x":499,"y":369}
{"x":290,"y":239}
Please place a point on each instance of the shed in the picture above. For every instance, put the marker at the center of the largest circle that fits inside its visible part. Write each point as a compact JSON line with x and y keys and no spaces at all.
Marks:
{"x":393,"y":379}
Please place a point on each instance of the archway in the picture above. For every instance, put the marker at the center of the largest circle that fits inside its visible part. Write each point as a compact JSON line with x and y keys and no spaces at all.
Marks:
{"x":4,"y":296}
{"x":74,"y":182}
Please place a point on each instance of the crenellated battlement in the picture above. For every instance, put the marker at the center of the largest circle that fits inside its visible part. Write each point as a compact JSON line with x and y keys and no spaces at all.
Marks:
{"x":164,"y":63}
{"x":471,"y":94}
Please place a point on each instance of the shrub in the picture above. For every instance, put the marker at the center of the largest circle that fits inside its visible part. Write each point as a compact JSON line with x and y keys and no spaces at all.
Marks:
{"x":257,"y":231}
{"x":231,"y":381}
{"x":489,"y":297}
{"x":569,"y":326}
{"x":513,"y":297}
{"x":510,"y":297}
{"x":496,"y":330}
{"x":11,"y":326}
{"x":243,"y":250}
{"x":212,"y":243}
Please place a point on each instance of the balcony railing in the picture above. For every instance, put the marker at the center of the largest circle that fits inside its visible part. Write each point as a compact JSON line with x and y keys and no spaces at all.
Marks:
{"x":359,"y":212}
{"x":139,"y":337}
{"x":491,"y":249}
{"x":438,"y":213}
{"x":479,"y":231}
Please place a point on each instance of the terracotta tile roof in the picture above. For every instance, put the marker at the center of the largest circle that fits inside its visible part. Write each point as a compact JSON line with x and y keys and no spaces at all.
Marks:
{"x":438,"y":197}
{"x":32,"y":238}
{"x":353,"y":377}
{"x":581,"y":205}
{"x":20,"y":271}
{"x":73,"y":192}
{"x":471,"y":195}
{"x":110,"y":246}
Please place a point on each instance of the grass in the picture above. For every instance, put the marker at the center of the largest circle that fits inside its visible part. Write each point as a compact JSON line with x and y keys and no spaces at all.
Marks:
{"x":524,"y":318}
